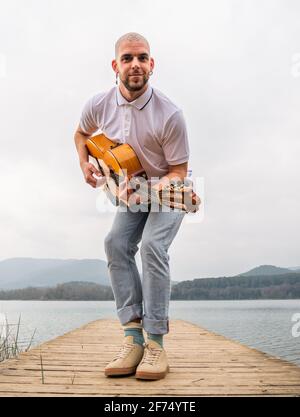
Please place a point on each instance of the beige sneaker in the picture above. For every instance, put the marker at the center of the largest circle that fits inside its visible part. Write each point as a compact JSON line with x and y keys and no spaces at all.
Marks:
{"x":129,"y":356}
{"x":154,"y":364}
{"x":126,"y":360}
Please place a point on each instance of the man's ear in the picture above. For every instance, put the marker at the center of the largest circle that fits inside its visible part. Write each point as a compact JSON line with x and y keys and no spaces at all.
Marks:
{"x":114,"y":66}
{"x":151,"y":63}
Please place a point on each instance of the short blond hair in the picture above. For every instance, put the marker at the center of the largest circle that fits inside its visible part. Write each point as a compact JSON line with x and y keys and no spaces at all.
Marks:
{"x":130,"y":37}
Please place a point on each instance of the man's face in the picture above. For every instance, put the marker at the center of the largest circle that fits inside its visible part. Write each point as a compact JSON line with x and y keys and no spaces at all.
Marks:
{"x":133,"y":64}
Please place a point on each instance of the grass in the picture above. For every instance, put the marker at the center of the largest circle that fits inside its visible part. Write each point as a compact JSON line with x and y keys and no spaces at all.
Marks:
{"x":10,"y":344}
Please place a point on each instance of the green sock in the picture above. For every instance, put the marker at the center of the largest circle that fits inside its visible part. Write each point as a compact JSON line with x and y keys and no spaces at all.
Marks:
{"x":157,"y":338}
{"x":137,"y":334}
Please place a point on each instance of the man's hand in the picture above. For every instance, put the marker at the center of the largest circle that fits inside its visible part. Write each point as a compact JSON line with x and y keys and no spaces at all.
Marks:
{"x":88,"y":170}
{"x":125,"y":190}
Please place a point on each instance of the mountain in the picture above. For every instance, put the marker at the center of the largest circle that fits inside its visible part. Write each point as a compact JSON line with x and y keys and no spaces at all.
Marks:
{"x":17,"y":273}
{"x":294,"y":268}
{"x":265,"y":270}
{"x":24,"y":272}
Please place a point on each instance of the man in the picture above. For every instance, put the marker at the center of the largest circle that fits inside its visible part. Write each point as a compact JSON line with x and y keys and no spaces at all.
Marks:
{"x":135,"y":113}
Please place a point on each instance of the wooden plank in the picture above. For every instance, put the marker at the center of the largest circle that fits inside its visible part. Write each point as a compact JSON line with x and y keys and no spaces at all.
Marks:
{"x":146,"y":389}
{"x":185,"y":382}
{"x":211,"y":366}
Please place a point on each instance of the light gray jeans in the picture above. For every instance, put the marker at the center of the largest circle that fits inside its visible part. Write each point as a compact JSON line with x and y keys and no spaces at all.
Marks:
{"x":148,"y":298}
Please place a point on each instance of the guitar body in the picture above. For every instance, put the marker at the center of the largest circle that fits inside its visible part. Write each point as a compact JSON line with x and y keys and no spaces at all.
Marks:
{"x":122,"y":162}
{"x":120,"y":158}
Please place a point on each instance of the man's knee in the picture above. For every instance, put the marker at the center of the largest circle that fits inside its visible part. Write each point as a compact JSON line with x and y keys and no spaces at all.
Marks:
{"x":114,"y":244}
{"x":153,"y":249}
{"x":111,"y":244}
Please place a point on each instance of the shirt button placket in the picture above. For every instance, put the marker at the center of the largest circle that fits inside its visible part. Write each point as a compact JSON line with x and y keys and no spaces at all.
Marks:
{"x":127,"y":121}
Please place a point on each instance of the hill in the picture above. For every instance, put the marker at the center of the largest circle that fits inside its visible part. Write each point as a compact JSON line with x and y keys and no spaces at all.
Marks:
{"x":24,"y":272}
{"x":265,"y":270}
{"x":17,"y":273}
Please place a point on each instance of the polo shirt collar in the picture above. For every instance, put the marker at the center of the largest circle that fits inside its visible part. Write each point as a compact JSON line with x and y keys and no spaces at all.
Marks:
{"x":139,"y":103}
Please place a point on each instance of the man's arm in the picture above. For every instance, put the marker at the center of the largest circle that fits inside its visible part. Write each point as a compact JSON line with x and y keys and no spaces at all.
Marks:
{"x":176,"y":172}
{"x":80,"y":142}
{"x":87,"y":168}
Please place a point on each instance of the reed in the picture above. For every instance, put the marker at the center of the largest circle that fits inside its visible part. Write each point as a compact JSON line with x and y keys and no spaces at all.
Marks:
{"x":10,"y":344}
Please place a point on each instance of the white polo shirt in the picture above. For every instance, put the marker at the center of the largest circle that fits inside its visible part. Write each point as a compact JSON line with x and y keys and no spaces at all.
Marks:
{"x":151,"y":124}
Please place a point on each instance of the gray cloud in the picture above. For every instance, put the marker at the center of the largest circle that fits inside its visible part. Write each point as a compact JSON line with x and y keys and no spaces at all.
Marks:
{"x":227,"y":64}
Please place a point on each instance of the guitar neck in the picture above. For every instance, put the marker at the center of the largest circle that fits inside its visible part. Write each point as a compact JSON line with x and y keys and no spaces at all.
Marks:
{"x":146,"y":193}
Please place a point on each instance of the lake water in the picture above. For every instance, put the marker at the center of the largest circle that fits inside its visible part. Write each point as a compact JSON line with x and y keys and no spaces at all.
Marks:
{"x":263,"y":324}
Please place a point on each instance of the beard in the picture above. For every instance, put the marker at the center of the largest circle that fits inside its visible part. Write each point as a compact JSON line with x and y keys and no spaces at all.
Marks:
{"x":135,"y":85}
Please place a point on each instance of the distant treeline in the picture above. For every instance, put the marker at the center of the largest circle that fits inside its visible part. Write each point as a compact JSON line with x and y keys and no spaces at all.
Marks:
{"x":239,"y":288}
{"x":68,"y":291}
{"x":284,"y":286}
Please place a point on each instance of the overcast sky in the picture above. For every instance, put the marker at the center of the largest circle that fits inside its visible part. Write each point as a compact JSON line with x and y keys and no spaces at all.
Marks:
{"x":233,"y":66}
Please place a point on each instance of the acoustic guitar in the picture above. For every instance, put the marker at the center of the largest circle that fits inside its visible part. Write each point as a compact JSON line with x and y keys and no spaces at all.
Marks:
{"x":119,"y":164}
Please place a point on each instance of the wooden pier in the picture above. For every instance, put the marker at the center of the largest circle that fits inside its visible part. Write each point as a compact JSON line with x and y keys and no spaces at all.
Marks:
{"x":202,"y":363}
